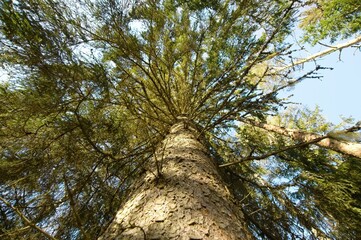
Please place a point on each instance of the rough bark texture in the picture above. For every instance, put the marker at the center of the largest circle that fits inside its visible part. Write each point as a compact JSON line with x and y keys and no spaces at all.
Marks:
{"x":188,"y":200}
{"x":349,"y":148}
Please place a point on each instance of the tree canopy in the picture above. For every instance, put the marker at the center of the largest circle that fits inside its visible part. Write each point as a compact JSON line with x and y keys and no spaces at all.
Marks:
{"x":95,"y":86}
{"x":331,"y":19}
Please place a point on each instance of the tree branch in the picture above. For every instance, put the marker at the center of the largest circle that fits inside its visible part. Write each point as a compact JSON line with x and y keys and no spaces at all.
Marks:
{"x":26,"y":220}
{"x":264,"y":156}
{"x":347,"y":148}
{"x":331,"y":49}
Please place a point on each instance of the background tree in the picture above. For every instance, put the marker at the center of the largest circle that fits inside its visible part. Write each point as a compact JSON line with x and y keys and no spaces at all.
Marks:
{"x":96,"y":85}
{"x":333,"y":19}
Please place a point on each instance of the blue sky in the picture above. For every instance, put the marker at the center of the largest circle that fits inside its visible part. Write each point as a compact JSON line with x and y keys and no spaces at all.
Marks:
{"x":338,"y":93}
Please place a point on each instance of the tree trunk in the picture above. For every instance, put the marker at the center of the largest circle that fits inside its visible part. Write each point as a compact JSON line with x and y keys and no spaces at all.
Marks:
{"x":185,"y":199}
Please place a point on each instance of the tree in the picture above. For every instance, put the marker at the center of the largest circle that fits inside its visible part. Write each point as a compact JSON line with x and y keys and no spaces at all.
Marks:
{"x":185,"y":198}
{"x":331,"y":19}
{"x":136,"y":119}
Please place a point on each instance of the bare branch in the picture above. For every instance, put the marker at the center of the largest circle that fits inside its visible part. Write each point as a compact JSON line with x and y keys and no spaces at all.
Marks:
{"x":348,"y":148}
{"x":330,"y":50}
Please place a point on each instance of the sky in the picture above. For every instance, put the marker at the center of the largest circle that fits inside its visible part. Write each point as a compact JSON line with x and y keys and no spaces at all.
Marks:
{"x":338,"y":93}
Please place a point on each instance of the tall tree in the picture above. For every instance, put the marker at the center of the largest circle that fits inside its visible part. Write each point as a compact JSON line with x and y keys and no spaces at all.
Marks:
{"x":136,"y":119}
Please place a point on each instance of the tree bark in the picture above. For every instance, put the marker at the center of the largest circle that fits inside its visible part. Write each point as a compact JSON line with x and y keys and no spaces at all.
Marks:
{"x":185,"y":199}
{"x":348,"y":148}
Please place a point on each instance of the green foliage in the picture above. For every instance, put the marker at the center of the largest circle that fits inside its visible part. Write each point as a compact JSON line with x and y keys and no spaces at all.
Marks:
{"x":95,"y":86}
{"x":332,"y":19}
{"x":299,"y":188}
{"x":46,"y":144}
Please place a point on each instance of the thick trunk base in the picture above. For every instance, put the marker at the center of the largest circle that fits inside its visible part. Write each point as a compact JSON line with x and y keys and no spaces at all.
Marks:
{"x":187,"y":201}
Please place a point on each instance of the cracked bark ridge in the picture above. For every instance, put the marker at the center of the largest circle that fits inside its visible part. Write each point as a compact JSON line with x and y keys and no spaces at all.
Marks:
{"x":188,"y":200}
